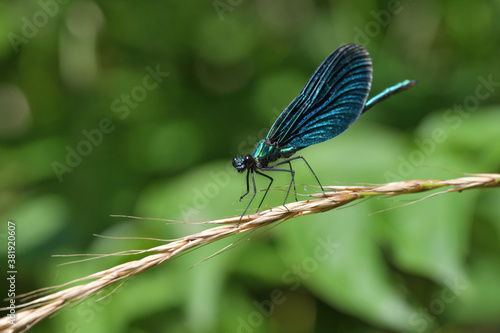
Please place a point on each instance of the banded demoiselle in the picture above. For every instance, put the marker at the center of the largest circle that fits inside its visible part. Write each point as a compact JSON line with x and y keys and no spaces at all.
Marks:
{"x":333,"y":98}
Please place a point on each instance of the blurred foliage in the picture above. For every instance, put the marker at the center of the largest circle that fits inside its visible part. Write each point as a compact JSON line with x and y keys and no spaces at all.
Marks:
{"x":91,"y":125}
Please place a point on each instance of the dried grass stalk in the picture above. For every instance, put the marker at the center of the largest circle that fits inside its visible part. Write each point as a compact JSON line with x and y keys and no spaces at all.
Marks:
{"x":32,"y":312}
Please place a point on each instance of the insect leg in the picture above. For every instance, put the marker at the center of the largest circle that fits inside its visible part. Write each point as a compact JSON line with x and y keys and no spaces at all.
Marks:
{"x":248,"y":190}
{"x":296,"y":158}
{"x":293,"y":181}
{"x":248,"y":185}
{"x":271,"y":168}
{"x":268,"y":187}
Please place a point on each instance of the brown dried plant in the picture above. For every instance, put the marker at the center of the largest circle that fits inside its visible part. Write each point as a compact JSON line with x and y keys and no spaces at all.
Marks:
{"x":32,"y":312}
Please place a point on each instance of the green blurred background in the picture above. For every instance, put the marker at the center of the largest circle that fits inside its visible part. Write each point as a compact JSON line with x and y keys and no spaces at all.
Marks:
{"x":88,"y":131}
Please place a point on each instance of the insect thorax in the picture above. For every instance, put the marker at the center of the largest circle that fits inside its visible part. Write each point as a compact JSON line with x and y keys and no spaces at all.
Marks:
{"x":266,"y":152}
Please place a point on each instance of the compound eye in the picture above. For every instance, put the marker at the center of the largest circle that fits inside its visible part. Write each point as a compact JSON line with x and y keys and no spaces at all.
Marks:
{"x":236,"y":162}
{"x":239,"y":163}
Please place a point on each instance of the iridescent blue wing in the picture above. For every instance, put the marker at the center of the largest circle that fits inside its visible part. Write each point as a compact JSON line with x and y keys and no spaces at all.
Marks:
{"x":332,"y":100}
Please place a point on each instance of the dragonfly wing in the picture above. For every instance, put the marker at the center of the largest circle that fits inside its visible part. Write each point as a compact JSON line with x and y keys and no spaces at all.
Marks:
{"x":332,"y":99}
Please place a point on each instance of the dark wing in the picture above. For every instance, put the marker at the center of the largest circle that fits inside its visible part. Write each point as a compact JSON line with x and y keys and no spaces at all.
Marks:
{"x":332,"y":100}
